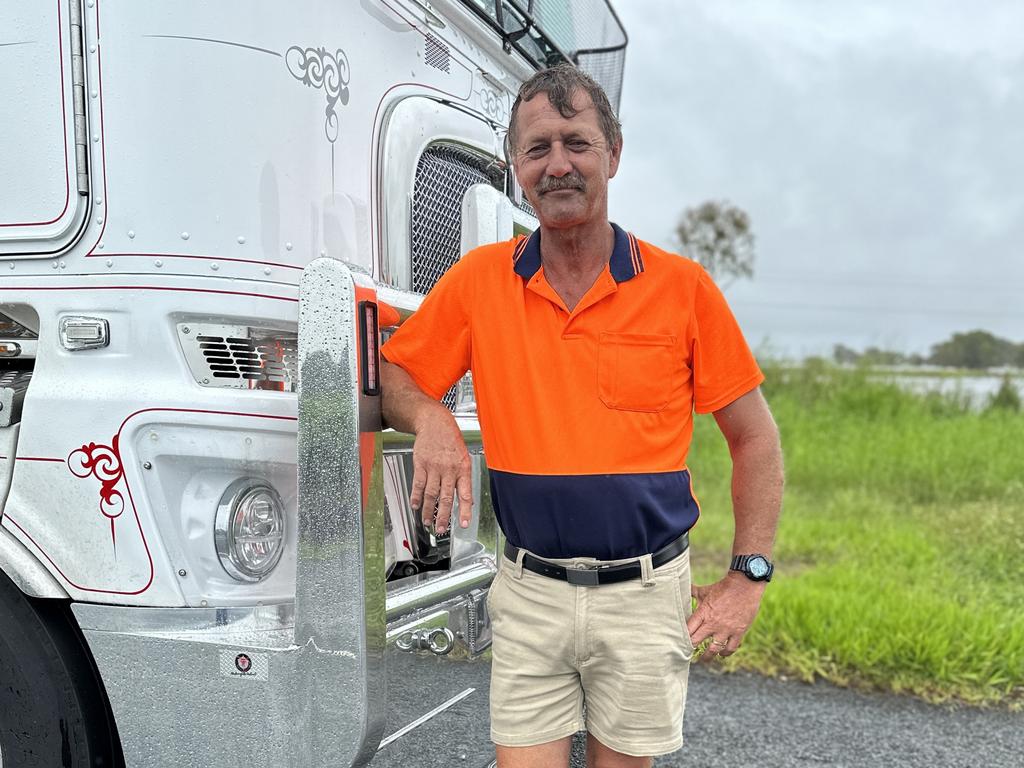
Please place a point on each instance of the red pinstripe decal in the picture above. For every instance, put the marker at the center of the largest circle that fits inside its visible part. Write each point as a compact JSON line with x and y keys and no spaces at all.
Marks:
{"x":37,"y":458}
{"x":206,"y":411}
{"x":131,"y":498}
{"x":145,"y":288}
{"x":56,"y":567}
{"x":93,"y":255}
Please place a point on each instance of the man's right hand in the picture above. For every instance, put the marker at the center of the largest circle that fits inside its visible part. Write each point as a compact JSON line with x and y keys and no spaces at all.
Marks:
{"x":441,"y":469}
{"x":441,"y":463}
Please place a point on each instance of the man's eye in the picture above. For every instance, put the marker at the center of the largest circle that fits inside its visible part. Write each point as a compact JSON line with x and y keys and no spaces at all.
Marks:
{"x":537,"y":150}
{"x":578,"y":144}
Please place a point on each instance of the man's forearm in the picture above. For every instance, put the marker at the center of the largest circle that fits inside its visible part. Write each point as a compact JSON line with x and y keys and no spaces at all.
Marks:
{"x":753,"y":439}
{"x":441,"y":465}
{"x":757,"y":481}
{"x":403,"y":403}
{"x":726,"y":609}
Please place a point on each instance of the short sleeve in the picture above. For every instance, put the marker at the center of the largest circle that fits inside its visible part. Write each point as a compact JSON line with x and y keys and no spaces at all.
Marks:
{"x":434,"y":345}
{"x":724,"y":368}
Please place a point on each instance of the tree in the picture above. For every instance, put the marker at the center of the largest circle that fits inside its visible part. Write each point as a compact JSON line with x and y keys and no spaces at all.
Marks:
{"x":975,"y":349}
{"x":876,"y":356}
{"x":717,"y":235}
{"x":845,"y":355}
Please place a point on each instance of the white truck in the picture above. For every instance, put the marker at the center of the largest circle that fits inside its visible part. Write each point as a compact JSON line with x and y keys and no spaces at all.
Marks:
{"x":208,"y":214}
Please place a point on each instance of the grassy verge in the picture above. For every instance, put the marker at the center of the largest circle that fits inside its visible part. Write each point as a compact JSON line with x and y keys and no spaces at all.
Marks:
{"x":900,"y":555}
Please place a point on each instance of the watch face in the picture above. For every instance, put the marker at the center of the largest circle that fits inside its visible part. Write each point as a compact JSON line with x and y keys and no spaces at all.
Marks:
{"x":758,"y":567}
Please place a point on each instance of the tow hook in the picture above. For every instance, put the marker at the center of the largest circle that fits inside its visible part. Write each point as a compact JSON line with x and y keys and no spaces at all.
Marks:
{"x":438,"y":641}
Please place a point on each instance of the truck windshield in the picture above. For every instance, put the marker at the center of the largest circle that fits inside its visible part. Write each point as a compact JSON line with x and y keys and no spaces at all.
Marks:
{"x":585,"y":32}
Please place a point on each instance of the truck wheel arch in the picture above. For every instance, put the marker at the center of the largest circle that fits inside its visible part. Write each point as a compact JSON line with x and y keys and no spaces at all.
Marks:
{"x":56,"y":710}
{"x":26,"y":571}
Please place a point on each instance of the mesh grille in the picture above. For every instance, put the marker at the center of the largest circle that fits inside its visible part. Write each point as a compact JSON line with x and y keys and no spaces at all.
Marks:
{"x":443,"y":174}
{"x":449,"y":399}
{"x":592,"y":36}
{"x":606,"y":68}
{"x":587,"y":31}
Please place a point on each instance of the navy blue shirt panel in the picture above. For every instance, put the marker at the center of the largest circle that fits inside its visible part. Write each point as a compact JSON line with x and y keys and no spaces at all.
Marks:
{"x":609,"y":517}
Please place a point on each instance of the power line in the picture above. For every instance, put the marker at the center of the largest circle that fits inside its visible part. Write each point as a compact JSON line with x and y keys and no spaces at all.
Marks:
{"x":910,"y":310}
{"x":902,"y":280}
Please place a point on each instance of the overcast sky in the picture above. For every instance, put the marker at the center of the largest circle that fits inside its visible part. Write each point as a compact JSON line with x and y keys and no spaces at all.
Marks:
{"x":877,"y":146}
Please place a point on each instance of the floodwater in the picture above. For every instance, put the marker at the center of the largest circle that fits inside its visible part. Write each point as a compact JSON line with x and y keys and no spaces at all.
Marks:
{"x":979,"y":389}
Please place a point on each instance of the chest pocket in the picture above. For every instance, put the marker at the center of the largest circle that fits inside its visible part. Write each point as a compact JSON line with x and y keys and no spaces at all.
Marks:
{"x":637,"y":371}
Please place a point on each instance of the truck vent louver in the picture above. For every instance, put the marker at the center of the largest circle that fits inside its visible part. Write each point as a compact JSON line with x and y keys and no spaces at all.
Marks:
{"x":13,"y":386}
{"x":436,"y":54}
{"x":241,"y":358}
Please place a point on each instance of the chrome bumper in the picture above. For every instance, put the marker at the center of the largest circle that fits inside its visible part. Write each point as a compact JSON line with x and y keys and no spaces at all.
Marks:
{"x":273,"y":686}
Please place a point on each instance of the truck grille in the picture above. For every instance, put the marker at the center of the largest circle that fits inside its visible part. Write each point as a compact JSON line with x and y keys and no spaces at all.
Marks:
{"x":443,"y":175}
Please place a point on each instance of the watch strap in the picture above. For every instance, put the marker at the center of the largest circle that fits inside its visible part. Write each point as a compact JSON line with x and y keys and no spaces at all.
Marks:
{"x":741,"y":563}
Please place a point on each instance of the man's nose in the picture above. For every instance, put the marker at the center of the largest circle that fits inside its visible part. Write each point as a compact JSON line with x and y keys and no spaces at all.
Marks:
{"x":558,"y":161}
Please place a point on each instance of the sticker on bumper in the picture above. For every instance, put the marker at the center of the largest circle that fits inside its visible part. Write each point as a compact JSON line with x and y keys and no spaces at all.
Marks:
{"x":254,"y":666}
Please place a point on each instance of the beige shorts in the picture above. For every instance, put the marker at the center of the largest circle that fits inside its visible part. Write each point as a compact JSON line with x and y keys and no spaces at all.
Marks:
{"x":619,"y":653}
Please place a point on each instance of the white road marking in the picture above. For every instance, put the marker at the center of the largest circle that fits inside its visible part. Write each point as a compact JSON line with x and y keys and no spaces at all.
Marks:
{"x":422,"y":719}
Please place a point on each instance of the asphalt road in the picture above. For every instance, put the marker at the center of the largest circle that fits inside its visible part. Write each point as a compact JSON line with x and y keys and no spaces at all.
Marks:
{"x":742,"y":719}
{"x":734,"y":721}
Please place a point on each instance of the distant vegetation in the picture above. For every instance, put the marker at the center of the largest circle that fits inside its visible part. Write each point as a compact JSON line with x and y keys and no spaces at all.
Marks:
{"x":974,"y":350}
{"x":900,"y":553}
{"x":718,"y":236}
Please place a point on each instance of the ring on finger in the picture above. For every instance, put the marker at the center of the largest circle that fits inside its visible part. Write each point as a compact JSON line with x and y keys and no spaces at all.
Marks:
{"x":719,"y":643}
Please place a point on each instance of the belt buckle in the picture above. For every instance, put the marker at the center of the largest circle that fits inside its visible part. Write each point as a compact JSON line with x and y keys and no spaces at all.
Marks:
{"x":582,"y":577}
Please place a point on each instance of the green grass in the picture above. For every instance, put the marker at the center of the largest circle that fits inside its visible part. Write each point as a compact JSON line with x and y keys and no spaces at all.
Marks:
{"x":900,"y":553}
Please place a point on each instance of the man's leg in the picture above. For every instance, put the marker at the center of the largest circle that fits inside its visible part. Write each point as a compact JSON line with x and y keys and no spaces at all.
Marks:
{"x":600,"y":756}
{"x":554,"y":754}
{"x":637,"y":659}
{"x":536,"y":696}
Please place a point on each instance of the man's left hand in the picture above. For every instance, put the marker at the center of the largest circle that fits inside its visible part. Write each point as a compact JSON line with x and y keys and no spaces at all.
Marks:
{"x":725,"y":610}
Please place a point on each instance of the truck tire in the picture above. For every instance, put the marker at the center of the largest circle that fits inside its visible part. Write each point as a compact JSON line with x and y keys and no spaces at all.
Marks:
{"x":53,"y":709}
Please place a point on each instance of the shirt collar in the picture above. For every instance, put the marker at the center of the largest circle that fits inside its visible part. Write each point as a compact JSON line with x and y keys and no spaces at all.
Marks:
{"x":625,"y":263}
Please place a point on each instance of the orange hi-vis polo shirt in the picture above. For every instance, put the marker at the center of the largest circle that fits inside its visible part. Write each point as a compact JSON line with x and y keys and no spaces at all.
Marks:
{"x":586,"y":415}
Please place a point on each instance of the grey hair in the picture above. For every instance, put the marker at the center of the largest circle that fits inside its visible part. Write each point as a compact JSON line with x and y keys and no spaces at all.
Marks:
{"x":560,"y":83}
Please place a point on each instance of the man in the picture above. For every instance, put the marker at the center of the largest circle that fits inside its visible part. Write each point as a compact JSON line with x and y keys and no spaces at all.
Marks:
{"x":590,"y":351}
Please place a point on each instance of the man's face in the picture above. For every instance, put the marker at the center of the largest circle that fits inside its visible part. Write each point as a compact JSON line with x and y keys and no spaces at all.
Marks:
{"x":563,"y":164}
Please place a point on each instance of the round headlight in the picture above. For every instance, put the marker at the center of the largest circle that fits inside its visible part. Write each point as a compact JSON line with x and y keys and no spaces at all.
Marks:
{"x":250,"y":528}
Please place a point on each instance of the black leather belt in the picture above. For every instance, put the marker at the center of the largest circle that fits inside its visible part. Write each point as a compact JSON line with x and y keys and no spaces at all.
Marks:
{"x":599,"y":574}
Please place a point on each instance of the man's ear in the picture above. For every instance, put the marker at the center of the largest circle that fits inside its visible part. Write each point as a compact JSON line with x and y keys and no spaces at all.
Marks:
{"x":614,"y":155}
{"x":506,"y":149}
{"x":513,"y":162}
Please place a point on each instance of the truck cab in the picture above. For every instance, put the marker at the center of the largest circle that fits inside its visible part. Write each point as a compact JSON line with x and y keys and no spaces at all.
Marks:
{"x":212,"y":218}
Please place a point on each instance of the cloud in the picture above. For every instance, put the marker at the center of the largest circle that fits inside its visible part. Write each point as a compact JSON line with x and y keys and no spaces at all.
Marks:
{"x":876,"y":151}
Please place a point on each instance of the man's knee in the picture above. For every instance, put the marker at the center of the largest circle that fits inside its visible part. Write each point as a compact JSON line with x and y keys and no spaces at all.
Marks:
{"x":553,"y":754}
{"x":602,"y":756}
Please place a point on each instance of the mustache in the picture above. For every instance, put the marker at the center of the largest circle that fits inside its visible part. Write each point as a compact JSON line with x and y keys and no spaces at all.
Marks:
{"x":553,"y":183}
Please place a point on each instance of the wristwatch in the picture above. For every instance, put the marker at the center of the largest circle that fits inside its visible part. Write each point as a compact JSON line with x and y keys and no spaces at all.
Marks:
{"x":755,"y":567}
